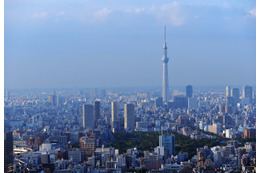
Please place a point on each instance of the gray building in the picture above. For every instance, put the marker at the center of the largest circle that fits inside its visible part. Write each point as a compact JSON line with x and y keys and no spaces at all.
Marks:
{"x":114,"y":112}
{"x":129,"y":115}
{"x":235,"y":94}
{"x":96,"y":111}
{"x":88,"y":116}
{"x":248,"y":93}
{"x":8,"y":152}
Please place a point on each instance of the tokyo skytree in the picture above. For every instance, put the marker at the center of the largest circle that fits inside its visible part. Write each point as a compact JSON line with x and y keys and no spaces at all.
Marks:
{"x":165,"y":59}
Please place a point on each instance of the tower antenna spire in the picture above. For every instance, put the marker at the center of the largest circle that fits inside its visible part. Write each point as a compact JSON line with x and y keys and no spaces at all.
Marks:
{"x":164,"y":34}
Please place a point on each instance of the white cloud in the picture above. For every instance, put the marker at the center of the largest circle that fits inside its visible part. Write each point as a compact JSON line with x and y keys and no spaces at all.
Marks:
{"x":139,"y":10}
{"x":102,"y":14}
{"x":169,"y":13}
{"x":252,"y":12}
{"x":135,"y":10}
{"x":40,"y":15}
{"x":61,"y":13}
{"x":225,"y":5}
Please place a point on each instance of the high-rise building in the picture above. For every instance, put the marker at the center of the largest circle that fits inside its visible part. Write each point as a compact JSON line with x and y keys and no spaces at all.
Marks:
{"x":229,"y":101}
{"x":88,"y":116}
{"x":248,"y":93}
{"x":96,"y":111}
{"x":114,"y":114}
{"x":114,"y":110}
{"x":60,"y":100}
{"x":235,"y":94}
{"x":217,"y":155}
{"x":52,"y":99}
{"x":228,"y":108}
{"x":189,"y":91}
{"x":8,"y":152}
{"x":165,"y":59}
{"x":168,"y":142}
{"x":129,"y":115}
{"x":228,"y":91}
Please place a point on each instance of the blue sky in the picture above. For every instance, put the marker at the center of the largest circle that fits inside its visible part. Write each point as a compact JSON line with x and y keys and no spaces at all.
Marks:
{"x":113,"y":43}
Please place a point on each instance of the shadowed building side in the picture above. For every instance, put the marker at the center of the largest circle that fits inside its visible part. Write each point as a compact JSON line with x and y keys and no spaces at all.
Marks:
{"x":88,"y":116}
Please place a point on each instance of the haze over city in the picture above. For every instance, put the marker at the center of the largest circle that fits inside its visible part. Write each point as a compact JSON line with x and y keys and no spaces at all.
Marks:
{"x":129,"y":86}
{"x":52,"y":44}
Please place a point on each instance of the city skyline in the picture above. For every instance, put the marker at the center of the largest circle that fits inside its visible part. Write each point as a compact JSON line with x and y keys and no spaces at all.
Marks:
{"x":88,"y":86}
{"x":56,"y":48}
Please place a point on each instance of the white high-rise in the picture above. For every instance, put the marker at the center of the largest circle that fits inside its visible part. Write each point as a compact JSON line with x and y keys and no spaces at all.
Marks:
{"x":114,"y":111}
{"x":228,"y":91}
{"x":165,"y":59}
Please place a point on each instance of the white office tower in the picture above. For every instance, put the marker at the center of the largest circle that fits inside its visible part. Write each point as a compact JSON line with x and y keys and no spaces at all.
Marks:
{"x":114,"y":114}
{"x":228,"y":91}
{"x":129,"y":116}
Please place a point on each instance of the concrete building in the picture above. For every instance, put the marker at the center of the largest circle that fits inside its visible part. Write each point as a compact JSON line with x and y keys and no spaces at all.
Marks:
{"x":228,"y":91}
{"x":88,"y":145}
{"x":114,"y":112}
{"x":52,"y":99}
{"x":248,"y":93}
{"x":129,"y":115}
{"x":214,"y":128}
{"x":8,"y":152}
{"x":96,"y":111}
{"x":88,"y":116}
{"x":235,"y":95}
